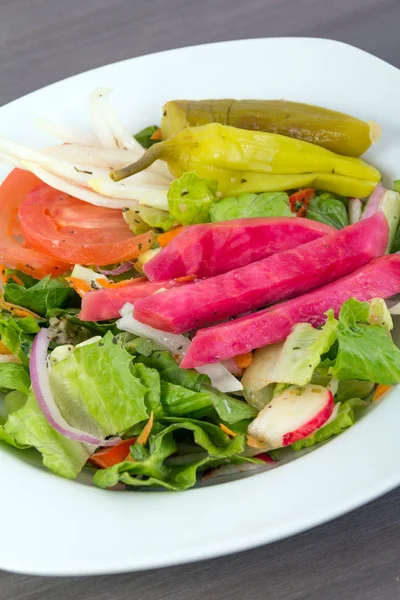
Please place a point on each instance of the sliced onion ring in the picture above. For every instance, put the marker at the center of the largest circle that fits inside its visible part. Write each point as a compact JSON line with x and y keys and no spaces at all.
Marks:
{"x":45,"y":399}
{"x":123,"y":268}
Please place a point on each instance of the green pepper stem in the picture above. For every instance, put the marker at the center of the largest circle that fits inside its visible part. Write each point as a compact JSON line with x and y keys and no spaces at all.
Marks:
{"x":144,"y":161}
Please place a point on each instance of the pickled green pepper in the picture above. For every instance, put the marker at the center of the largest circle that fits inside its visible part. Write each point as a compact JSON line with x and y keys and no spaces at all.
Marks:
{"x":242,"y":160}
{"x":330,"y":129}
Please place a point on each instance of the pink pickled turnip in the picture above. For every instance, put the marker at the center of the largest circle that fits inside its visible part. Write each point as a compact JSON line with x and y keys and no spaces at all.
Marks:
{"x":273,"y":279}
{"x":214,"y":248}
{"x":378,"y":279}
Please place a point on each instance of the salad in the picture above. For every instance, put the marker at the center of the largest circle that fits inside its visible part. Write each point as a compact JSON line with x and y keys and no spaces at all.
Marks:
{"x":200,"y":299}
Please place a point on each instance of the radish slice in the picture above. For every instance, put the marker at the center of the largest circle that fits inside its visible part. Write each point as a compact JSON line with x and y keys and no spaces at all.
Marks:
{"x":109,"y":130}
{"x":178,"y":345}
{"x":69,"y":134}
{"x":45,"y":399}
{"x":293,"y":415}
{"x":355,"y":210}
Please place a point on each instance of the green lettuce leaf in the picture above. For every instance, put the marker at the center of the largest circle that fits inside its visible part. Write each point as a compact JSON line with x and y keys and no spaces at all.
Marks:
{"x":18,"y":334}
{"x":190,"y":198}
{"x":14,"y":377}
{"x":268,"y":204}
{"x":144,"y":218}
{"x":170,"y":371}
{"x":150,"y":468}
{"x":346,"y":417}
{"x":302,"y":351}
{"x":329,"y":209}
{"x":353,"y":388}
{"x":27,"y":426}
{"x":180,"y":401}
{"x":228,"y":409}
{"x":40,"y":297}
{"x":365,"y":351}
{"x":96,"y":391}
{"x":144,"y":136}
{"x":67,"y":328}
{"x":151,"y":379}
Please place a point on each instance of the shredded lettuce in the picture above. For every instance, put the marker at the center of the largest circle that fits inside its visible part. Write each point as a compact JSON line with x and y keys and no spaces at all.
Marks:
{"x":18,"y":334}
{"x":268,"y":204}
{"x":144,"y":218}
{"x":190,"y":198}
{"x":14,"y":377}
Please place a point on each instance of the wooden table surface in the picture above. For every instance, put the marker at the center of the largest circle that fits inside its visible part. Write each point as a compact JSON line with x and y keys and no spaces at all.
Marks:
{"x":355,"y":557}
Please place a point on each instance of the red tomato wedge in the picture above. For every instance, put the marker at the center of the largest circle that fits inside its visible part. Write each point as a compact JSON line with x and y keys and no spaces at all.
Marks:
{"x":109,"y":457}
{"x":71,"y":230}
{"x":13,"y":254}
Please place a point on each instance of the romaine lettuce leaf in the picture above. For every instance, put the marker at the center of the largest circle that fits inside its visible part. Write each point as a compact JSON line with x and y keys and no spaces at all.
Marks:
{"x":95,"y":389}
{"x":40,"y":297}
{"x":302,"y":350}
{"x":150,"y":467}
{"x":365,"y":351}
{"x":346,"y":417}
{"x":190,"y":198}
{"x":327,"y":208}
{"x":151,"y":379}
{"x":14,"y":376}
{"x":27,"y":426}
{"x":268,"y":204}
{"x":18,"y":334}
{"x":181,"y":401}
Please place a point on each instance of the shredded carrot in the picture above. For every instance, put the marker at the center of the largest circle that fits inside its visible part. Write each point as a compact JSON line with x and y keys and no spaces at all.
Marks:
{"x":228,"y":431}
{"x":4,"y":278}
{"x":157,"y":135}
{"x":111,"y":284}
{"x":244,"y":360}
{"x":380,"y":390}
{"x":144,"y":436}
{"x":15,"y":310}
{"x":165,"y":238}
{"x":4,"y":349}
{"x":81,"y":286}
{"x":185,"y":278}
{"x":255,"y":443}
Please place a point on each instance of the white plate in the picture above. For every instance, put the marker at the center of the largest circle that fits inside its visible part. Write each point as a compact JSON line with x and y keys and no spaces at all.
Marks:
{"x":53,"y":526}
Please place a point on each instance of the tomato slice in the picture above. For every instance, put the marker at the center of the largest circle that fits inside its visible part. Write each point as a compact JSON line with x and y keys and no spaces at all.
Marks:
{"x":74,"y":231}
{"x":108,"y":457}
{"x":14,"y":254}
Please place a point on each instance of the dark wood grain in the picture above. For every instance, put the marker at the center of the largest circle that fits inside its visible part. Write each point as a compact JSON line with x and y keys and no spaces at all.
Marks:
{"x":355,"y":557}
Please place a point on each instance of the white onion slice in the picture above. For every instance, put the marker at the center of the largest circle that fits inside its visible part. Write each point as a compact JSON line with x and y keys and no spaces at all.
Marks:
{"x":74,"y":190}
{"x":106,"y":158}
{"x":372,"y":205}
{"x":45,"y":399}
{"x":178,"y":345}
{"x":109,"y":129}
{"x":70,"y":134}
{"x":154,"y":196}
{"x":355,"y":210}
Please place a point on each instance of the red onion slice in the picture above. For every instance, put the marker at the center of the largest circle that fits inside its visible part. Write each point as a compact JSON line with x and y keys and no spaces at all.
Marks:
{"x":123,"y":268}
{"x":45,"y":399}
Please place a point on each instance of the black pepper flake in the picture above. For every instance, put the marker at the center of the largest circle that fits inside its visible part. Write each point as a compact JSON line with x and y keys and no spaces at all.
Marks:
{"x":71,"y":231}
{"x":215,"y":312}
{"x":136,"y":211}
{"x":243,"y":181}
{"x":63,"y":241}
{"x":114,"y":340}
{"x":101,"y":344}
{"x":180,"y":347}
{"x":140,"y":246}
{"x":297,"y":348}
{"x":29,"y":267}
{"x":137,"y":221}
{"x":82,"y":171}
{"x":185,"y":193}
{"x":125,"y":209}
{"x":164,"y":113}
